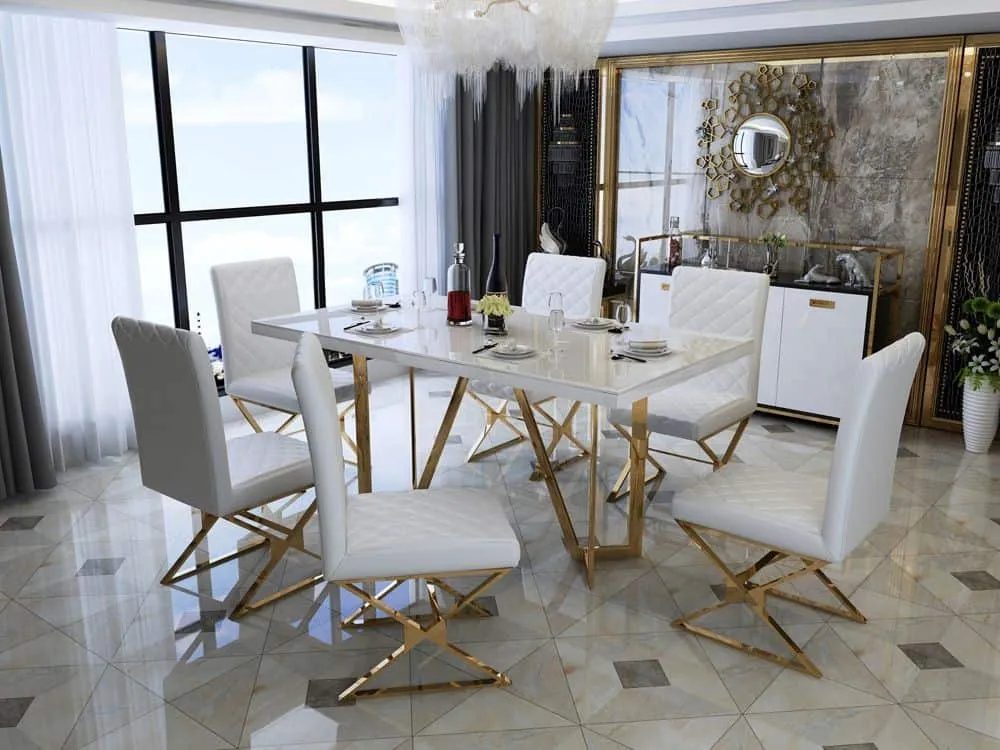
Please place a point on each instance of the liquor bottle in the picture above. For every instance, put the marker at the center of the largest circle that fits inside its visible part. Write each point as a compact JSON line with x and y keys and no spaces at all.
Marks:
{"x":459,"y":290}
{"x":674,"y":244}
{"x":496,"y":281}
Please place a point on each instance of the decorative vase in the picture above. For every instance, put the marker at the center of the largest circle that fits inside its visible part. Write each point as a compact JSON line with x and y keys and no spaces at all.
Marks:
{"x":496,"y":325}
{"x":980,"y":417}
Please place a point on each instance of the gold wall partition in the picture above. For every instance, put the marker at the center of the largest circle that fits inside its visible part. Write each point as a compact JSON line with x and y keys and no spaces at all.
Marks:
{"x":939,"y":288}
{"x":920,"y":77}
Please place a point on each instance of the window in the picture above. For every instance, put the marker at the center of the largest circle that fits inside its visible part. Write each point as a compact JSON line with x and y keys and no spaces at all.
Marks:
{"x":245,"y":150}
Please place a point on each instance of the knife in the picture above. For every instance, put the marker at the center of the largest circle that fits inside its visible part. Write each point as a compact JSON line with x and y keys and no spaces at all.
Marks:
{"x":355,"y":325}
{"x":629,"y":356}
{"x":482,"y":349}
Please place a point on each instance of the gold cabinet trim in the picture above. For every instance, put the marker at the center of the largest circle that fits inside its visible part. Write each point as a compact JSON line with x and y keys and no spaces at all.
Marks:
{"x":823,"y":304}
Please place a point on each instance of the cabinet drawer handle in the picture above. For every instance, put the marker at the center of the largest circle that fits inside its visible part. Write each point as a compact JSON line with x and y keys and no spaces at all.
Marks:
{"x":664,"y":287}
{"x":825,"y":304}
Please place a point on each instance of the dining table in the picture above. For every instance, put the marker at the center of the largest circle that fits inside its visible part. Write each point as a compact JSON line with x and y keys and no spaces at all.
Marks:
{"x":576,"y":364}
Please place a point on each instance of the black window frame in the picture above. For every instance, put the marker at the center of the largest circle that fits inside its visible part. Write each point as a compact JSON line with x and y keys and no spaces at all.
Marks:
{"x":172,"y":218}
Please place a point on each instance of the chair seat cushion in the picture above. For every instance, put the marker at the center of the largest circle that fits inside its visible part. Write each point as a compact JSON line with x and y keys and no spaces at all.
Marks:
{"x":274,"y":388}
{"x":395,"y":534}
{"x":689,"y":412}
{"x":266,"y":466}
{"x":780,"y":509}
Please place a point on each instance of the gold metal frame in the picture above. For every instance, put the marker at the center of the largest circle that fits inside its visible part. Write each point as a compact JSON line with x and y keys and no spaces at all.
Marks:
{"x":947,"y":204}
{"x":952,"y":137}
{"x":741,"y":589}
{"x":417,"y":630}
{"x":277,"y":538}
{"x":714,"y":459}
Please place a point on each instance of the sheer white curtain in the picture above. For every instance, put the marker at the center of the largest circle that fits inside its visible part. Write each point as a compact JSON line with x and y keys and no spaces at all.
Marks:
{"x":423,"y":199}
{"x":62,"y":134}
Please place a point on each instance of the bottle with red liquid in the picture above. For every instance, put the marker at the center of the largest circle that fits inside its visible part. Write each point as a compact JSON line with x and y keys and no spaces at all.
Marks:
{"x":459,"y":290}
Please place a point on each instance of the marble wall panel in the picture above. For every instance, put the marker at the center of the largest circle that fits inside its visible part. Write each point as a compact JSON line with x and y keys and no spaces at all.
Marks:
{"x":886,"y":113}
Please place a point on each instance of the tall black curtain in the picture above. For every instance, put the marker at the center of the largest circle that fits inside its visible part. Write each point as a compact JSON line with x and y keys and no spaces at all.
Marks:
{"x":496,"y":179}
{"x":25,"y":455}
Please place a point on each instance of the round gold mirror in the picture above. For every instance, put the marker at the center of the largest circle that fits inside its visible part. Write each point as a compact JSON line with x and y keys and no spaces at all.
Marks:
{"x":761,"y":145}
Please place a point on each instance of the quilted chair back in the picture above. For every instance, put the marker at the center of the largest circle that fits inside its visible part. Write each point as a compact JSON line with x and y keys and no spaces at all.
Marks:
{"x":319,"y":412}
{"x":175,"y":405}
{"x":721,"y":302}
{"x":864,"y":458}
{"x":581,"y":281}
{"x":247,"y":291}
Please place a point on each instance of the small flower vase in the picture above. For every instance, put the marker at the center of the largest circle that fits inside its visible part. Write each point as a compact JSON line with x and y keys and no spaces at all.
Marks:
{"x":980,"y":416}
{"x":496,"y":325}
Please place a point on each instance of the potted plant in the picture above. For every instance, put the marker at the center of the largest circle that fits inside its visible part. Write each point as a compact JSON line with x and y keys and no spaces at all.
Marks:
{"x":495,"y":308}
{"x":775,"y":243}
{"x":977,"y":341}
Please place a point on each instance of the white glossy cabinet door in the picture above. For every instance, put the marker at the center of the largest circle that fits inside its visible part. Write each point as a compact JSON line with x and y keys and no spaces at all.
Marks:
{"x":770,"y":352}
{"x":822,"y":341}
{"x":654,"y":298}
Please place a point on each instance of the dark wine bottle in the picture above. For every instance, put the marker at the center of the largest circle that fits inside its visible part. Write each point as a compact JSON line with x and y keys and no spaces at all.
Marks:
{"x":496,"y":281}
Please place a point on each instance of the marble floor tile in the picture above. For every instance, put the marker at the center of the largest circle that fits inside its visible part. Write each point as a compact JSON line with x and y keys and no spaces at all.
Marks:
{"x":96,"y":655}
{"x":926,"y":659}
{"x":694,"y":688}
{"x":880,"y":727}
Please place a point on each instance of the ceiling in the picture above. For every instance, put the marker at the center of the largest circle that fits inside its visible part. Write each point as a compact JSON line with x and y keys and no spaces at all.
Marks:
{"x":640,"y":26}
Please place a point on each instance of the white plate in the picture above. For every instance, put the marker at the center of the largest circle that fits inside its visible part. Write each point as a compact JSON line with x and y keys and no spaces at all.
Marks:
{"x":663,"y":352}
{"x":518,"y":351}
{"x":651,"y":345}
{"x":369,"y":309}
{"x":594,"y":324}
{"x":374,"y":331}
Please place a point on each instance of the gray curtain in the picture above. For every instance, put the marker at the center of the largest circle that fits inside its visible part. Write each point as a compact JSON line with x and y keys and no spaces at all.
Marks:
{"x":25,"y":455}
{"x":496,"y":179}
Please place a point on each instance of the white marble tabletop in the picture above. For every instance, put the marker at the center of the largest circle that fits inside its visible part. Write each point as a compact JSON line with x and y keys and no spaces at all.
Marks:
{"x":581,"y":369}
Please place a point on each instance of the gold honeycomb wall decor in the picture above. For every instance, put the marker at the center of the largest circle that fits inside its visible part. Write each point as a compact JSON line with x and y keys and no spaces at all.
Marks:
{"x":796,"y":105}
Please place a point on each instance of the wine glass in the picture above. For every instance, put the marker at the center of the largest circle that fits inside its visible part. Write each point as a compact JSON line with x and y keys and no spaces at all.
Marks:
{"x":375,"y":291}
{"x":419,"y":303}
{"x":623,"y":314}
{"x":430,"y":289}
{"x":557,"y":317}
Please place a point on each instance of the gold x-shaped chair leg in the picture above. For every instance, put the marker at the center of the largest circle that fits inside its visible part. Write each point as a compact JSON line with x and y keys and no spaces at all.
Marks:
{"x":561,"y":431}
{"x":494,"y":417}
{"x":740,"y":589}
{"x":714,"y":459}
{"x":433,"y":628}
{"x":277,"y":539}
{"x":242,"y":405}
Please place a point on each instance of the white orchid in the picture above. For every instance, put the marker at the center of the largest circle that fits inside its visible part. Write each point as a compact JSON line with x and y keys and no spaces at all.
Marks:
{"x":975,"y":342}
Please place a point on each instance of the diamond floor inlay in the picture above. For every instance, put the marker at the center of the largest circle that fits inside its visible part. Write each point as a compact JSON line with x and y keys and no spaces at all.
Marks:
{"x":12,"y":710}
{"x":21,"y":523}
{"x":930,"y":656}
{"x":641,"y":673}
{"x":323,"y":693}
{"x":978,"y":580}
{"x":101,"y":566}
{"x":115,"y":661}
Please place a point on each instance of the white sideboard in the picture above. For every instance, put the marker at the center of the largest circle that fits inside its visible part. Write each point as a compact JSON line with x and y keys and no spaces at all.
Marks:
{"x":813,"y":342}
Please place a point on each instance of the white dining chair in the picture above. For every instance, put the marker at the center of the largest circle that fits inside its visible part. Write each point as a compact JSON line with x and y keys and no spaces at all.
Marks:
{"x":714,"y":302}
{"x":804,"y":519}
{"x":400,"y":537}
{"x":184,"y":454}
{"x":257,"y":368}
{"x":580,"y":280}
